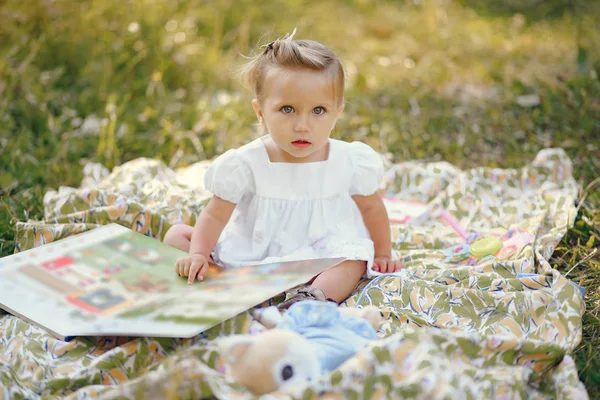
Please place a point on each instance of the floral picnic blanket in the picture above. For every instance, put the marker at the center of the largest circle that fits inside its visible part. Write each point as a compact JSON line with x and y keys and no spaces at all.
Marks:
{"x":478,"y":312}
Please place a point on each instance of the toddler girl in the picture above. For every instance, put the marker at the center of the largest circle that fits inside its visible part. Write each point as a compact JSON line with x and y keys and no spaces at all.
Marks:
{"x":294,"y":193}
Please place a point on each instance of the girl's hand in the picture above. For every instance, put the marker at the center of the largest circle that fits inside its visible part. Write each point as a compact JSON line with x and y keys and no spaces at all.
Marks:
{"x":385,"y":265}
{"x":192,"y":266}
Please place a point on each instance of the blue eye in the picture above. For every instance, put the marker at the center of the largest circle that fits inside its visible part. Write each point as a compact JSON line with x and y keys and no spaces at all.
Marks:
{"x":318,"y":110}
{"x":287,"y":109}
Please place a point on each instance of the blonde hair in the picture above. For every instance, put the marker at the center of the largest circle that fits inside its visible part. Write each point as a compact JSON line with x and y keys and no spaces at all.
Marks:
{"x":289,"y":53}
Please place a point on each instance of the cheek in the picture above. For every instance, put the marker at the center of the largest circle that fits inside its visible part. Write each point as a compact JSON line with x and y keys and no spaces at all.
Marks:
{"x":275,"y":119}
{"x":328,"y":123}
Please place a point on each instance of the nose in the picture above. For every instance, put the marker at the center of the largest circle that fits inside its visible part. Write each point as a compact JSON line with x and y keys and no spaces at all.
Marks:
{"x":301,"y":124}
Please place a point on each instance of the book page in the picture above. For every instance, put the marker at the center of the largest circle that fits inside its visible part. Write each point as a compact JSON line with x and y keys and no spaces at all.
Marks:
{"x":412,"y":212}
{"x":114,"y":281}
{"x":401,"y":211}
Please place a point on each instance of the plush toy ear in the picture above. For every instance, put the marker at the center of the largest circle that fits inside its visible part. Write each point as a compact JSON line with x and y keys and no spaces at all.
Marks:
{"x":233,"y":348}
{"x":269,"y":317}
{"x":372,"y":315}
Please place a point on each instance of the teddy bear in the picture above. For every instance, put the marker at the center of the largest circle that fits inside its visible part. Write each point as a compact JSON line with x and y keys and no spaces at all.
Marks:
{"x":308,"y":340}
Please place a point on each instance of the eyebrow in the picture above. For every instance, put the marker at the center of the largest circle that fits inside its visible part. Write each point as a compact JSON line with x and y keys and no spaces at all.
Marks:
{"x":290,"y":103}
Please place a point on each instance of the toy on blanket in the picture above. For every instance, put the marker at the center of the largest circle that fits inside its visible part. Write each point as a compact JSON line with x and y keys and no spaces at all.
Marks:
{"x":311,"y":338}
{"x":495,"y":246}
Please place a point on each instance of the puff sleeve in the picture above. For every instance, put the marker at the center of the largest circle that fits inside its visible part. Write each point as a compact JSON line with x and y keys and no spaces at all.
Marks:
{"x":227,"y":177}
{"x":368,"y":169}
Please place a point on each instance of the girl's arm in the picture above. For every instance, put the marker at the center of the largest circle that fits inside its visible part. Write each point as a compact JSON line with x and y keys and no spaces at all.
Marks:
{"x":204,"y":237}
{"x":210,"y":224}
{"x":377,"y":222}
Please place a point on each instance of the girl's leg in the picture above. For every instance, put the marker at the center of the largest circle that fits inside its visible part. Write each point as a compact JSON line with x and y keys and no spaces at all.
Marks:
{"x":179,"y":236}
{"x":338,"y":282}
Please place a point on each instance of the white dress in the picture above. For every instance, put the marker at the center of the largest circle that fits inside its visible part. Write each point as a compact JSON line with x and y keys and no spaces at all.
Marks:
{"x":294,"y":211}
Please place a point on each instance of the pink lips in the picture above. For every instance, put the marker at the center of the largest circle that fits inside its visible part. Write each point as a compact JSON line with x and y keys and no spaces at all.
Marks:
{"x":302,"y":144}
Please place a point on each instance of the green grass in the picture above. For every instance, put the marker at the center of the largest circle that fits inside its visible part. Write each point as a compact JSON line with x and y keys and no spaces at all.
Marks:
{"x":110,"y":81}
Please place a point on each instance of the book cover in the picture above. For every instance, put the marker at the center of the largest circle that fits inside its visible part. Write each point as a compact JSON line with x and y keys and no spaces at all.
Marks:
{"x":115,"y":281}
{"x":408,"y":211}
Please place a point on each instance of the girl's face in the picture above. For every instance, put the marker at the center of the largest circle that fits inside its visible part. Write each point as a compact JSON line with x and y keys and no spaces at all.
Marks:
{"x":299,"y":110}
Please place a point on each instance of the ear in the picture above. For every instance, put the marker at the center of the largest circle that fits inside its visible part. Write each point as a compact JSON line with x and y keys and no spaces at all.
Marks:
{"x":369,"y":313}
{"x":338,"y":111}
{"x":257,"y":110}
{"x":269,"y":317}
{"x":233,"y":348}
{"x":372,"y":315}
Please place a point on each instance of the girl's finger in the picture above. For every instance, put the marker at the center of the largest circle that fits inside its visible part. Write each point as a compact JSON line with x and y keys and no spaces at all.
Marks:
{"x":202,"y":271}
{"x":193,"y":272}
{"x":383,"y":266}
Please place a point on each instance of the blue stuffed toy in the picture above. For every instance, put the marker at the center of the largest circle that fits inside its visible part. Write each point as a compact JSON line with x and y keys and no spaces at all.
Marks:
{"x":310,"y":339}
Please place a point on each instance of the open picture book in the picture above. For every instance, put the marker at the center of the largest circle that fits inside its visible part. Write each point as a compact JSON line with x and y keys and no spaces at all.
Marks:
{"x":115,"y":281}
